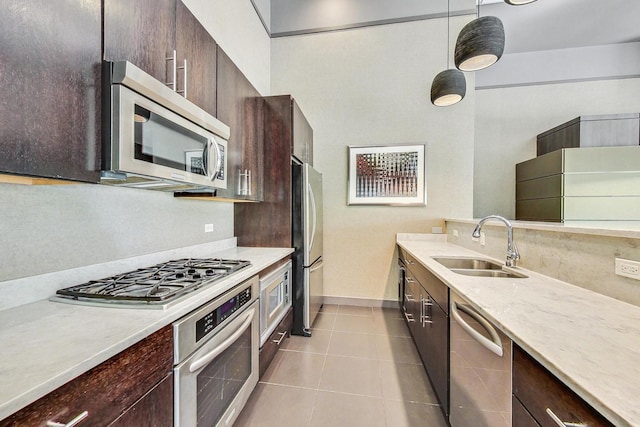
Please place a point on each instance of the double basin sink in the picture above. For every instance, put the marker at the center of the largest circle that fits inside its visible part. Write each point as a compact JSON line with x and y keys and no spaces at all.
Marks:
{"x":478,"y":267}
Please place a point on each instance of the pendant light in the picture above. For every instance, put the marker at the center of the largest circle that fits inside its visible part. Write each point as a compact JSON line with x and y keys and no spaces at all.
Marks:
{"x":448,"y":86}
{"x":518,"y":2}
{"x":480,"y":43}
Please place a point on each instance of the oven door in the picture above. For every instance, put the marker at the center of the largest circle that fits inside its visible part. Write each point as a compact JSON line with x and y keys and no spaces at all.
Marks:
{"x":215,"y":382}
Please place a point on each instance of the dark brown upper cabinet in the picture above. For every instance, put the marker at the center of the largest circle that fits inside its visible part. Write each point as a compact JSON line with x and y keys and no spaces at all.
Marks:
{"x":239,"y":107}
{"x":302,"y":135}
{"x":146,"y":32}
{"x":50,"y":88}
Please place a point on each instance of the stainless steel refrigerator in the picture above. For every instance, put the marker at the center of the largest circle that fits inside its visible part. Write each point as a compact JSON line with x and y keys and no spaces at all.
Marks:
{"x":307,"y":240}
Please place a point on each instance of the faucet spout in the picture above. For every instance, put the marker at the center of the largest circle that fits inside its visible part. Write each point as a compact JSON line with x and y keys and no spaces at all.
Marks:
{"x":512,"y":250}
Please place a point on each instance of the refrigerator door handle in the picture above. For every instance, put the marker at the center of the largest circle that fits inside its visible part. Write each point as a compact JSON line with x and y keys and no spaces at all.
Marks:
{"x":313,"y":213}
{"x":316,"y":267}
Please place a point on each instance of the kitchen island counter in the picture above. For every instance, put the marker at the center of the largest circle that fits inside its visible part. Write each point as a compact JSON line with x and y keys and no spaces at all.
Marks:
{"x":591,"y":342}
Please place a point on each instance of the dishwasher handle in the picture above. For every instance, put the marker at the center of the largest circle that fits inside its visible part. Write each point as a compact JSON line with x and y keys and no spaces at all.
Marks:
{"x":494,"y":344}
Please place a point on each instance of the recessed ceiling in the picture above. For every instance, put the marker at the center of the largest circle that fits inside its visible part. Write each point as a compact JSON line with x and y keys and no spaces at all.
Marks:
{"x":541,"y":25}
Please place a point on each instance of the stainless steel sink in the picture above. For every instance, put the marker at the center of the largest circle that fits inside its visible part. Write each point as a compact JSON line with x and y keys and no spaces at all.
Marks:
{"x":468,"y":263}
{"x":490,"y":273}
{"x":477,"y":267}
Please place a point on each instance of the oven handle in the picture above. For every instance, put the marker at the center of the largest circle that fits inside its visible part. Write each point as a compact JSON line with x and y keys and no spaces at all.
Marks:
{"x":207,"y":358}
{"x":494,"y":345}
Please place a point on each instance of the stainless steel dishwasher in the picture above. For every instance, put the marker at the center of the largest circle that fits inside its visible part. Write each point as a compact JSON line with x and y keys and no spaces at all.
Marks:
{"x":480,"y":358}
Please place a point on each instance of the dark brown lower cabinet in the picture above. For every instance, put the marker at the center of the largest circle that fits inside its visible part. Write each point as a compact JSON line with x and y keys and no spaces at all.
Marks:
{"x":426,"y":301}
{"x":520,"y":416}
{"x":135,"y":382}
{"x":542,"y":394}
{"x":271,"y":346}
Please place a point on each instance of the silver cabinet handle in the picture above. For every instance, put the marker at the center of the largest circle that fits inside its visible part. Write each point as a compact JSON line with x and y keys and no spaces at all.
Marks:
{"x":183,"y":92}
{"x":408,"y":297}
{"x":283,"y":335}
{"x":410,"y":280}
{"x":409,"y":317}
{"x":172,"y":57}
{"x":408,"y":261}
{"x":494,"y":344}
{"x":71,"y":423}
{"x":561,"y":423}
{"x":426,"y":306}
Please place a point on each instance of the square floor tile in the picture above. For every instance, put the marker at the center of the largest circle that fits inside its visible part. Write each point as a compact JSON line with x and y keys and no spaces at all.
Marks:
{"x":337,"y":409}
{"x":406,"y":382}
{"x":351,"y":375}
{"x":397,"y":349}
{"x":324,"y":321}
{"x":329,"y":308}
{"x":318,"y":342}
{"x":272,"y":406}
{"x":350,"y":323}
{"x":352,"y":344}
{"x":384,"y":325}
{"x":355,"y":310}
{"x":295,"y":368}
{"x":408,"y":414}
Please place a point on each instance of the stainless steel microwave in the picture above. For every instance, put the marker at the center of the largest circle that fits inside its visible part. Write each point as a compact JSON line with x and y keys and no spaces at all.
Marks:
{"x":156,"y":139}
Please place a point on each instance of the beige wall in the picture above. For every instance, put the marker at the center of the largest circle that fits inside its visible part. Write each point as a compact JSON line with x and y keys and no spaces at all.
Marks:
{"x":508,"y":120}
{"x":236,"y":27}
{"x":370,"y":86}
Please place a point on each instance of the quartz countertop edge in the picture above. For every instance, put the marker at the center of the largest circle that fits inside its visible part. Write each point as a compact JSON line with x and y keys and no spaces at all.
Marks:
{"x":591,"y":342}
{"x":45,"y":344}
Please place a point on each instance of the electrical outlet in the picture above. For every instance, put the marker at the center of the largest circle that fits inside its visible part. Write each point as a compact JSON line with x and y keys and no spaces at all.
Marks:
{"x":628,"y":268}
{"x":455,"y":232}
{"x":482,"y":240}
{"x":208,"y":228}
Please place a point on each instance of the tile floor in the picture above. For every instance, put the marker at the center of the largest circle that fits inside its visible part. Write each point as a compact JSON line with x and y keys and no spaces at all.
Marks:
{"x":359,"y":368}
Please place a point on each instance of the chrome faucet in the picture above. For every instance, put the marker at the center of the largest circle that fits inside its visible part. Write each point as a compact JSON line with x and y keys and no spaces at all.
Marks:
{"x":512,"y":251}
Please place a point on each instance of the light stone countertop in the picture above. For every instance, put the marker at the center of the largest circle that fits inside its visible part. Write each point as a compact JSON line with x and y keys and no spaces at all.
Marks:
{"x":591,"y":342}
{"x":45,"y":344}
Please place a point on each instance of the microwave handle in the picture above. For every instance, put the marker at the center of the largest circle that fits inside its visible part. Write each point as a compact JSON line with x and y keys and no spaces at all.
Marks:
{"x":212,"y":143}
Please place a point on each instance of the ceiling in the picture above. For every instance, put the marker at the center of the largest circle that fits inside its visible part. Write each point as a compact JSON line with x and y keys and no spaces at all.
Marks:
{"x":542,"y":25}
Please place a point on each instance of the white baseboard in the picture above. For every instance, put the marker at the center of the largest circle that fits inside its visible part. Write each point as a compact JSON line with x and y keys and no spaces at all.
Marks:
{"x":362,"y":302}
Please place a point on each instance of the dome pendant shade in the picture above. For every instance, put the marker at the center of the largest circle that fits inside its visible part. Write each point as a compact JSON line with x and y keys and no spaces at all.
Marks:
{"x":480,"y":44}
{"x":448,"y":88}
{"x":518,"y":2}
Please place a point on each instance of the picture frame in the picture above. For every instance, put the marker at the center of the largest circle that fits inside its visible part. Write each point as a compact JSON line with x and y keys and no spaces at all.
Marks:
{"x":387,"y":175}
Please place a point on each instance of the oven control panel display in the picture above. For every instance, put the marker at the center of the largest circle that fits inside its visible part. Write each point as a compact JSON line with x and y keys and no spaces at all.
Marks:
{"x":207,"y":323}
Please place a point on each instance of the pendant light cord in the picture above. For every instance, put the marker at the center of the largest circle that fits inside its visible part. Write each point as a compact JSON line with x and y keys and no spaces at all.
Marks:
{"x":448,"y":31}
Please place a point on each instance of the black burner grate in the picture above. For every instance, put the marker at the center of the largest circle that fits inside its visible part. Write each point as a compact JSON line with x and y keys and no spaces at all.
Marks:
{"x":157,"y":284}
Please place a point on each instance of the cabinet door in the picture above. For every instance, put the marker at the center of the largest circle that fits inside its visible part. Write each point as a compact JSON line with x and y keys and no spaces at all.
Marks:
{"x":141,"y":32}
{"x":153,"y":409}
{"x":302,"y":135}
{"x":107,"y":390}
{"x":435,"y":349}
{"x":541,"y":393}
{"x":239,"y":107}
{"x":50,"y":87}
{"x":194,"y":44}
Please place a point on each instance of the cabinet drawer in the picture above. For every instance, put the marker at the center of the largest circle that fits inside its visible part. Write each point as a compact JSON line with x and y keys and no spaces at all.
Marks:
{"x":438,"y":290}
{"x":538,"y":390}
{"x":271,"y":346}
{"x":108,"y":390}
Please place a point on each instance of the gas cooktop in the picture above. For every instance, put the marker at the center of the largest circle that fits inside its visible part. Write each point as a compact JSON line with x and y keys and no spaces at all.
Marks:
{"x":153,"y":286}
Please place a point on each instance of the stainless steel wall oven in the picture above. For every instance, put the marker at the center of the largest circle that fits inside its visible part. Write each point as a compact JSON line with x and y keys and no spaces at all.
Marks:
{"x":216,"y":358}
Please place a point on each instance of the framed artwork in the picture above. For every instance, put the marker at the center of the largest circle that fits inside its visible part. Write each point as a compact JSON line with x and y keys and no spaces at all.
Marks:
{"x":387,"y":175}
